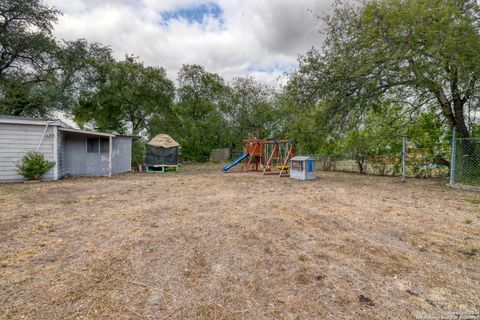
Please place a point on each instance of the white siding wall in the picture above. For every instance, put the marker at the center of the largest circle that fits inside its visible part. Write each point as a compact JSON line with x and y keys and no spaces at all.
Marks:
{"x":121,"y":154}
{"x":16,"y":140}
{"x":79,"y":162}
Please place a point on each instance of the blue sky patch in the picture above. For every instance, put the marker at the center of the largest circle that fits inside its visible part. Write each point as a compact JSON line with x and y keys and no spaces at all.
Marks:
{"x":271,"y":68}
{"x":196,"y":14}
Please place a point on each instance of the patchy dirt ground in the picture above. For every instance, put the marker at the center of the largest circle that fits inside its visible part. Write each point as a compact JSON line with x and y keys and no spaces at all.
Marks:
{"x":205,"y":245}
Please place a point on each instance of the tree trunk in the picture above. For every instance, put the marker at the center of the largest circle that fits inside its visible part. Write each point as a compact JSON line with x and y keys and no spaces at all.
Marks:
{"x":454,"y":116}
{"x":360,"y":162}
{"x":460,"y":118}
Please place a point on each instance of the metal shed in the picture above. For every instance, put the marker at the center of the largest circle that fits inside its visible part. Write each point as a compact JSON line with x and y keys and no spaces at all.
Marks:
{"x":75,"y":152}
{"x":303,"y":168}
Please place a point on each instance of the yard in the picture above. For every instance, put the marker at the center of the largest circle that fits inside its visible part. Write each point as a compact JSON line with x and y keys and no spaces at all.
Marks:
{"x":205,"y":245}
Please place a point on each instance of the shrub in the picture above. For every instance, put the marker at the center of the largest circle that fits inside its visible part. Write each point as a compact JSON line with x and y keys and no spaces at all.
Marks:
{"x":138,"y":153}
{"x":33,"y":165}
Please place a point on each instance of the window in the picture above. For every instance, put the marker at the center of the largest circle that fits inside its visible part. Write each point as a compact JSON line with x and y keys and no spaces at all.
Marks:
{"x":104,"y":145}
{"x":297,"y":165}
{"x":98,"y":145}
{"x":92,"y":145}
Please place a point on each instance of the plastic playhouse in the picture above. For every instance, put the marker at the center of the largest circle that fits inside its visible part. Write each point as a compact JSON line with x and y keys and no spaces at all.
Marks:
{"x":303,"y":168}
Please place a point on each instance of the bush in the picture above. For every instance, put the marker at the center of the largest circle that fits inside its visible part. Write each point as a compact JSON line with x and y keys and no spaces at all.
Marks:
{"x":33,"y":165}
{"x":138,"y":153}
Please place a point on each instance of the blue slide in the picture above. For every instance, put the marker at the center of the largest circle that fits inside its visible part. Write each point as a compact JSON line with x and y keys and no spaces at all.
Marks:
{"x":235,"y":162}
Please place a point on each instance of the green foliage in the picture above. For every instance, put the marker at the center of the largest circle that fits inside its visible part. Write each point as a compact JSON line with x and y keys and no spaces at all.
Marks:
{"x":128,"y":96}
{"x":416,"y":53}
{"x":196,"y":121}
{"x":26,"y":36}
{"x":251,"y":109}
{"x":27,"y":56}
{"x":39,"y":75}
{"x":138,"y":153}
{"x":34,"y":165}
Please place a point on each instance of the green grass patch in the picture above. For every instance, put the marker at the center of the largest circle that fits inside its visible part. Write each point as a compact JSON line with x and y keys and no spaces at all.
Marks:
{"x":473,"y":252}
{"x":468,"y":221}
{"x":474,"y":201}
{"x":68,"y":202}
{"x":15,"y":190}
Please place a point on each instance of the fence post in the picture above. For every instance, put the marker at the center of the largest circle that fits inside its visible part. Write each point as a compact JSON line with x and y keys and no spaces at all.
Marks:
{"x":453,"y":158}
{"x":404,"y":151}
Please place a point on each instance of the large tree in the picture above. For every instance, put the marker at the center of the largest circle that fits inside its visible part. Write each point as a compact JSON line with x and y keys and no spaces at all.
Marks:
{"x":421,"y":53}
{"x":72,"y":72}
{"x":25,"y":36}
{"x":251,"y":109}
{"x":27,"y":55}
{"x":127,"y":96}
{"x":197,"y":119}
{"x":39,"y":75}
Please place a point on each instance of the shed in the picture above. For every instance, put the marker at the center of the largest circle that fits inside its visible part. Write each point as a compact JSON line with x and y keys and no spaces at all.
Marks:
{"x":162,"y":151}
{"x":75,"y":152}
{"x":303,"y":168}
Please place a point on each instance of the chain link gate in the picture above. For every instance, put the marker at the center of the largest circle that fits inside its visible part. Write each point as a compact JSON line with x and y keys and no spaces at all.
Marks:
{"x":465,"y":162}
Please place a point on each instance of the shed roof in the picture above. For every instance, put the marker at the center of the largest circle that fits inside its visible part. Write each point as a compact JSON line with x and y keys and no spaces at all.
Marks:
{"x":62,"y":126}
{"x":86,"y":132}
{"x":31,"y":120}
{"x":302,"y":158}
{"x":163,"y":141}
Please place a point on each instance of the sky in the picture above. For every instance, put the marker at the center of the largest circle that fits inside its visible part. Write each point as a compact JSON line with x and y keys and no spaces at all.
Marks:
{"x":259,"y":38}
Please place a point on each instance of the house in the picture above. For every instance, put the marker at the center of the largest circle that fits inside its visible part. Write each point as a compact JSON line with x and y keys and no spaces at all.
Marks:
{"x":75,"y":152}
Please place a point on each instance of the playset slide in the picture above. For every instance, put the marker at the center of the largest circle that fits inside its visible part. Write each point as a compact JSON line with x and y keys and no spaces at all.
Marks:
{"x":235,"y":162}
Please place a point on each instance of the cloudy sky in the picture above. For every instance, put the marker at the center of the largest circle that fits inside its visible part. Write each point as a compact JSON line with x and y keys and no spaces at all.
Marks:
{"x":261,"y":38}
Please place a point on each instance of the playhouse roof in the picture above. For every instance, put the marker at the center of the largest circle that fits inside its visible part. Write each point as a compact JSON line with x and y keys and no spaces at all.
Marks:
{"x":301,"y":158}
{"x":163,"y":141}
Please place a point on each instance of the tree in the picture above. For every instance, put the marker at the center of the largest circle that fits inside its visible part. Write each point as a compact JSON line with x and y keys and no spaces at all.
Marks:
{"x":127,"y":96}
{"x":39,"y":75}
{"x":25,"y":36}
{"x":73,"y":72}
{"x":197,"y":120}
{"x":415,"y":52}
{"x":251,"y":109}
{"x":27,"y":51}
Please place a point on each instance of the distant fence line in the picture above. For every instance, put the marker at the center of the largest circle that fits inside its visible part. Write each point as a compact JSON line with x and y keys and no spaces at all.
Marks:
{"x":405,"y":160}
{"x":388,"y":165}
{"x":458,"y":162}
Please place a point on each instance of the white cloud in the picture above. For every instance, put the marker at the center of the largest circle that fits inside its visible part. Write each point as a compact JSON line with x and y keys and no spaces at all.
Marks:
{"x":251,"y":37}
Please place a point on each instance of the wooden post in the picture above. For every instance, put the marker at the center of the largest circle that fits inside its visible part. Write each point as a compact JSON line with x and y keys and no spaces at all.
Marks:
{"x":55,"y":152}
{"x":453,"y":156}
{"x":267,"y":166}
{"x":404,"y":155}
{"x":285,"y":163}
{"x":110,"y":156}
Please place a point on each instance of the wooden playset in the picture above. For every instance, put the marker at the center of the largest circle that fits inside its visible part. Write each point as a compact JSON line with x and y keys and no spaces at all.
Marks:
{"x":267,"y":156}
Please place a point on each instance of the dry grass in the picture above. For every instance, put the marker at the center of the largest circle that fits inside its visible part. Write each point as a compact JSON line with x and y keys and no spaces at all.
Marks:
{"x":205,"y":245}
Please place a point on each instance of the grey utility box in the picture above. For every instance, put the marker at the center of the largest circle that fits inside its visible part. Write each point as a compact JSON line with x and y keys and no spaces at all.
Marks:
{"x":303,"y":168}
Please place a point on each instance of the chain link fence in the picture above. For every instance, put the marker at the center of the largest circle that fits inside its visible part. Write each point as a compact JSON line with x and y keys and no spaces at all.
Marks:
{"x":403,"y":158}
{"x":465,"y":170}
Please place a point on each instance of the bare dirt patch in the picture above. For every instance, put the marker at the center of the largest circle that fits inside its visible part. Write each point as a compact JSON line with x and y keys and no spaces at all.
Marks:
{"x":205,"y":245}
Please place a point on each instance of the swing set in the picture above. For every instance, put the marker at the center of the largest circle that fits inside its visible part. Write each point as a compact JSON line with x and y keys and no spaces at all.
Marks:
{"x":269,"y":156}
